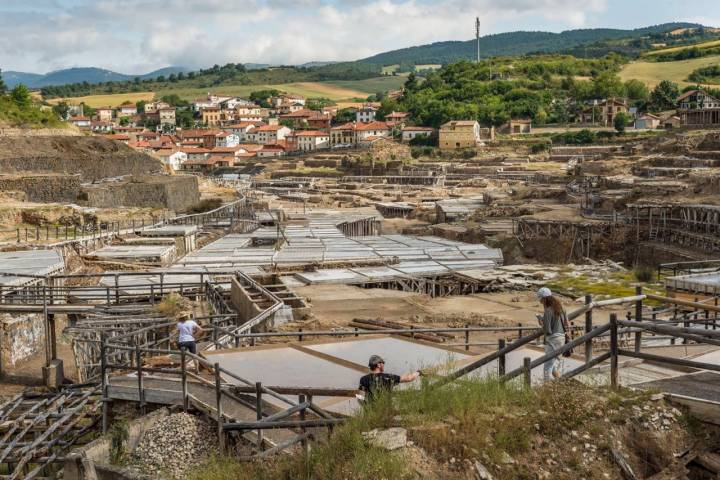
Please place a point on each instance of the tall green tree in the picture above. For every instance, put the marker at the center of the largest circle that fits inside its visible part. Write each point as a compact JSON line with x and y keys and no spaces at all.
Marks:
{"x":620,"y":122}
{"x":664,"y":95}
{"x":21,"y":96}
{"x":3,"y":87}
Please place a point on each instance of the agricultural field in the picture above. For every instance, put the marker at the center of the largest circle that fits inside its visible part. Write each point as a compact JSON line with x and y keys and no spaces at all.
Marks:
{"x":651,"y":73}
{"x":699,"y":46}
{"x":351,"y":90}
{"x":112,"y":100}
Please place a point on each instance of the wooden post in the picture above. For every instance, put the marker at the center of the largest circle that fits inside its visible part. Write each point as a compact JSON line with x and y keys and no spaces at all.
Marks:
{"x":588,"y":329}
{"x":501,"y":358}
{"x":520,"y":333}
{"x":103,"y":383}
{"x":467,"y":337}
{"x":183,"y":369}
{"x":526,"y":371}
{"x":218,"y":398}
{"x":300,"y":336}
{"x":305,"y":445}
{"x":613,"y":351}
{"x":138,"y":366}
{"x":638,"y":305}
{"x":259,"y":413}
{"x":638,"y":341}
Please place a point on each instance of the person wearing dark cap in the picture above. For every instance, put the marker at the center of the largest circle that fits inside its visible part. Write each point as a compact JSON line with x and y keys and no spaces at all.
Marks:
{"x":377,"y":380}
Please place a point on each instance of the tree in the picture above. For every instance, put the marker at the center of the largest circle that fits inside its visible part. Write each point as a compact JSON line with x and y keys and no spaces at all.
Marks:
{"x":620,"y":122}
{"x":636,"y":90}
{"x":124,"y":121}
{"x":663,"y":96}
{"x":61,"y":110}
{"x":3,"y":87}
{"x":411,"y":84}
{"x":21,"y":96}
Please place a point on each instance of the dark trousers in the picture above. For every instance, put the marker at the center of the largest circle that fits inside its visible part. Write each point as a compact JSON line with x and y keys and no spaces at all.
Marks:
{"x":189,"y":346}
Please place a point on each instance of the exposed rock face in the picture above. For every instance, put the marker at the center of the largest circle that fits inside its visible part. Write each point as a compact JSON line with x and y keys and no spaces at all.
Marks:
{"x":92,"y":157}
{"x":175,"y":192}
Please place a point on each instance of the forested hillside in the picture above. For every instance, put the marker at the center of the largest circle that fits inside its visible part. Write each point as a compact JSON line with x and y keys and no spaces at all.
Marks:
{"x":546,"y":89}
{"x":595,"y":42}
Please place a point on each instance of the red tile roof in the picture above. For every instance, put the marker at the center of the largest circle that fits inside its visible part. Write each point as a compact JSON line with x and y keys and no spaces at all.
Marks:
{"x":372,"y":126}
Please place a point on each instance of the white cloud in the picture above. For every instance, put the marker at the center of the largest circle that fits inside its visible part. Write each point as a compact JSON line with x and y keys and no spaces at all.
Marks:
{"x":138,"y":35}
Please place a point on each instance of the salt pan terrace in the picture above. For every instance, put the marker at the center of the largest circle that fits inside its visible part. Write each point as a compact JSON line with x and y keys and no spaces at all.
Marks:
{"x":321,"y":242}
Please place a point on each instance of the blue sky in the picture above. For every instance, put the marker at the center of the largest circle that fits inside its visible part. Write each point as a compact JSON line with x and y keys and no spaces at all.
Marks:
{"x":136,"y":36}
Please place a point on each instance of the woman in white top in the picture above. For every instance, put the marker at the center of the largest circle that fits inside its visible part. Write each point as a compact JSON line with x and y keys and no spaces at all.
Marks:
{"x":187,"y":331}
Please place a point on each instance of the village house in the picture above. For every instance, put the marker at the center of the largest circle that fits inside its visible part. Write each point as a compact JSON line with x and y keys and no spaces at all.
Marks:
{"x":409,"y":133}
{"x":603,"y":112}
{"x":647,"y":121}
{"x":372,"y":129}
{"x":153,"y":107}
{"x":81,"y":122}
{"x":267,"y":134}
{"x":697,"y":99}
{"x":172,"y":157}
{"x":226,"y":139}
{"x":271,"y":151}
{"x":119,"y":137}
{"x":104,"y":114}
{"x":311,"y":140}
{"x":247,"y":110}
{"x":166,"y":116}
{"x":305,"y":118}
{"x":517,"y":126}
{"x":209,"y":101}
{"x":241,"y":129}
{"x":102,"y":127}
{"x":196,"y":153}
{"x":343,"y":135}
{"x":207,"y":165}
{"x":127,"y":110}
{"x":366,"y":114}
{"x":211,"y":116}
{"x":459,"y":134}
{"x":396,"y":119}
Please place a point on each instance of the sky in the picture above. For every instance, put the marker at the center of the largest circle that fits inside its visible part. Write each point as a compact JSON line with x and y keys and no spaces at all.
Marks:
{"x":138,"y":36}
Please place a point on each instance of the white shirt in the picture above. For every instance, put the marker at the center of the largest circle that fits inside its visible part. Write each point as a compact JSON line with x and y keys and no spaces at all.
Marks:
{"x":185,"y":330}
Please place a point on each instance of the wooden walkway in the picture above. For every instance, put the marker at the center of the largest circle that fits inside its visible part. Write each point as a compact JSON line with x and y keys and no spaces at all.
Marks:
{"x":167,"y":391}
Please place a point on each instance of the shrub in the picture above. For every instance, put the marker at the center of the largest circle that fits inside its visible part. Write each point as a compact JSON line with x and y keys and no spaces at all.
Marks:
{"x":644,"y":273}
{"x":539,"y":147}
{"x":206,"y":205}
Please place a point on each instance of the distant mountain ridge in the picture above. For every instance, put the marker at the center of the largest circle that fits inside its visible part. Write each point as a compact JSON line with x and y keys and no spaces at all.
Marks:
{"x":515,"y":43}
{"x":79,"y":75}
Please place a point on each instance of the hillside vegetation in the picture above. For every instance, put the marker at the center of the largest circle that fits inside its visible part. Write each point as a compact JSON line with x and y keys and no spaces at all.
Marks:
{"x":562,"y":431}
{"x":595,"y":42}
{"x":18,"y":109}
{"x":542,"y":88}
{"x":216,"y":77}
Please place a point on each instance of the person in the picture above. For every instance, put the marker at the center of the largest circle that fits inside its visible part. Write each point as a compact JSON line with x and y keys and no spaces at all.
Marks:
{"x":377,"y":380}
{"x":555,"y":327}
{"x":188,"y":330}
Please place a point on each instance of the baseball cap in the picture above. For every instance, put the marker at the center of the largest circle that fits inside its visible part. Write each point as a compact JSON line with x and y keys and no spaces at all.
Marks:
{"x":544,"y":292}
{"x":374,"y":360}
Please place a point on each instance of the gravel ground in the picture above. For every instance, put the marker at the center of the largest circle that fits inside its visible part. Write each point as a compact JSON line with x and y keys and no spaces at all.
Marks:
{"x":175,"y":444}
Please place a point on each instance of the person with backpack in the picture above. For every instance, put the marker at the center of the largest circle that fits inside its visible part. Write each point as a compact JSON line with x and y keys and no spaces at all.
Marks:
{"x":377,"y":380}
{"x":556,"y":329}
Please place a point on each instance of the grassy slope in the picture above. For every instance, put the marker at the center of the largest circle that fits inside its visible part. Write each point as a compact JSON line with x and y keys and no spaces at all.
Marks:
{"x":663,"y":51}
{"x":473,"y":419}
{"x":652,"y":73}
{"x":334,"y":90}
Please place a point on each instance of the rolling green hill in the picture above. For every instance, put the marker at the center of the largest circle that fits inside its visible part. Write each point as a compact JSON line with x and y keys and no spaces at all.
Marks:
{"x":598,"y":41}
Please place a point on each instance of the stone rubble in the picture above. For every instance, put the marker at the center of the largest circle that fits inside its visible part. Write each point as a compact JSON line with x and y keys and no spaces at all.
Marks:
{"x":173,"y":445}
